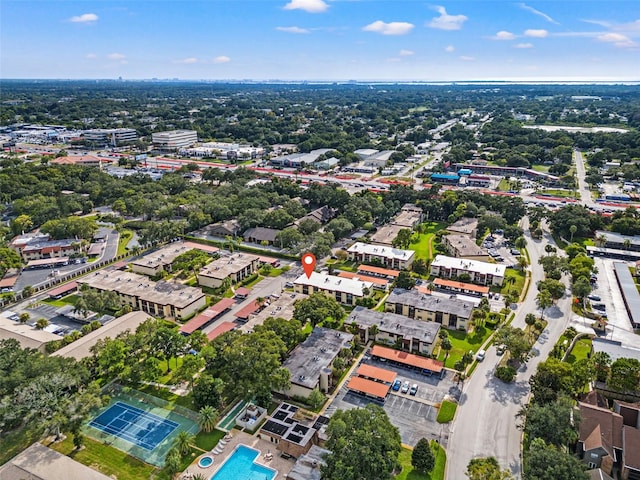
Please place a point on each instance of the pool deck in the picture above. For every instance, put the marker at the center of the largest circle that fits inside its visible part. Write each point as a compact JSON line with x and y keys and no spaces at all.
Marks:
{"x":277,"y":463}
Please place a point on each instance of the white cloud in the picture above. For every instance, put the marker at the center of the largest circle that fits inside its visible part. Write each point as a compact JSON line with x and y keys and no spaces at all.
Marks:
{"x":523,"y":45}
{"x":310,"y":6}
{"x":503,"y":35}
{"x":221,"y":59}
{"x":465,"y":58}
{"x":292,"y":30}
{"x":617,"y":39}
{"x":116,"y":56}
{"x":406,"y":53}
{"x":539,"y":13}
{"x":536,"y":33}
{"x":450,"y":49}
{"x":84,"y":18}
{"x":391,"y":28}
{"x":90,"y":55}
{"x":446,"y":21}
{"x":187,"y":61}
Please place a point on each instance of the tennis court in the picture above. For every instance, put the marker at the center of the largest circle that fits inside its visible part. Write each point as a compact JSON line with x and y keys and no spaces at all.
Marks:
{"x":134,"y":425}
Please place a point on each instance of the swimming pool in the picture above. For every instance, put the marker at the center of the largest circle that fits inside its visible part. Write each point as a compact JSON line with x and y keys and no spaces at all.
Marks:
{"x":241,"y":465}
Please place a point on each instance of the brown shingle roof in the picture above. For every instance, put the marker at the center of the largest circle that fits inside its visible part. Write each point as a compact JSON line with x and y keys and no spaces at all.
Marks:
{"x":631,"y":452}
{"x":600,"y":423}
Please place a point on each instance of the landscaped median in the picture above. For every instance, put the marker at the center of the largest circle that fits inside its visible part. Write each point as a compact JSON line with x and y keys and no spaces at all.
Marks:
{"x":447,"y":411}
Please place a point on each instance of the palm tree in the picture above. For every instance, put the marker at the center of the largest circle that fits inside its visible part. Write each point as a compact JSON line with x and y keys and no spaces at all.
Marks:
{"x":445,"y":344}
{"x":373,"y":331}
{"x":183,"y":442}
{"x":601,"y":239}
{"x":42,"y":323}
{"x":544,"y":301}
{"x":549,"y":249}
{"x":24,"y":318}
{"x":626,"y":243}
{"x":573,"y":229}
{"x":208,"y":417}
{"x":522,"y":262}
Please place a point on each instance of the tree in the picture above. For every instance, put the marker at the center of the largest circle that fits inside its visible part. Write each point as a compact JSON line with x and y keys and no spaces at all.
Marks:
{"x":403,"y":239}
{"x":553,"y":422}
{"x":289,"y":331}
{"x":316,"y":398}
{"x":486,"y":468}
{"x":173,"y":461}
{"x":340,"y":227}
{"x":572,"y":229}
{"x":446,"y":345}
{"x":624,"y":375}
{"x":168,"y":343}
{"x":405,"y":280}
{"x":516,"y":342}
{"x":554,"y":287}
{"x":549,"y":249}
{"x":24,"y":317}
{"x":27,"y":291}
{"x":422,"y":457}
{"x":183,"y":442}
{"x":207,"y":418}
{"x":581,"y":288}
{"x":207,"y":391}
{"x":363,"y":443}
{"x":520,"y":242}
{"x":546,"y":462}
{"x":544,"y":301}
{"x":42,"y":323}
{"x":191,"y":365}
{"x":601,"y":363}
{"x":317,"y":308}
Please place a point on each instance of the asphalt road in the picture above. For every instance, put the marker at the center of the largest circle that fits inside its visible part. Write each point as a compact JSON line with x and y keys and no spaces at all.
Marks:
{"x":583,"y":187}
{"x":486,"y":423}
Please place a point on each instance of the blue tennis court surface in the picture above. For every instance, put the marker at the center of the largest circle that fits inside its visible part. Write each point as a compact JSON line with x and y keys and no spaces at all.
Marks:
{"x":134,"y":425}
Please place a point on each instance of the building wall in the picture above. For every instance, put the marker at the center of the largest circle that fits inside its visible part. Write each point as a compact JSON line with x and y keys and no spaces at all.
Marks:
{"x":149,"y":270}
{"x":340,"y":297}
{"x":445,"y":319}
{"x":296,"y":390}
{"x":394,"y":263}
{"x":212,"y":282}
{"x":474,"y":276}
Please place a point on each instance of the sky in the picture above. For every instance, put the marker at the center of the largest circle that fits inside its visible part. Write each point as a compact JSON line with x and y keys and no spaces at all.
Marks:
{"x":324,"y":40}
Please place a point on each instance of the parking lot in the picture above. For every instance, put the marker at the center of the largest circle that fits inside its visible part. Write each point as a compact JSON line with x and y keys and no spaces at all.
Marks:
{"x":415,"y":416}
{"x":610,"y":296}
{"x":499,"y":250}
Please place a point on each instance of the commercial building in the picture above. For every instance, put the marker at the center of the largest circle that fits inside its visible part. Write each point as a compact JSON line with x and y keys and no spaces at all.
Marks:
{"x":630,"y":294}
{"x":174,"y":140}
{"x":300,"y":160}
{"x":412,"y":335}
{"x":160,"y":299}
{"x":451,"y":313}
{"x":110,"y":136}
{"x":162,"y":259}
{"x":235,"y":267}
{"x":310,"y":363}
{"x":474,"y":271}
{"x":344,"y":290}
{"x":294,"y":432}
{"x":463,"y":246}
{"x":386,"y":256}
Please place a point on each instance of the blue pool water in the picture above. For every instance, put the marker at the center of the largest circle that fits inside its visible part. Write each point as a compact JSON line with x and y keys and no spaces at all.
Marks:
{"x":205,"y":462}
{"x":134,"y":425}
{"x":240,"y":466}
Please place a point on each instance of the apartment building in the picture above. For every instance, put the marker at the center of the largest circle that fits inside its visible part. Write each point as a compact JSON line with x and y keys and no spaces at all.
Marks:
{"x":384,"y":255}
{"x":39,"y":247}
{"x":153,"y":263}
{"x":236,"y":267}
{"x":344,"y":290}
{"x":463,"y":246}
{"x":483,"y":273}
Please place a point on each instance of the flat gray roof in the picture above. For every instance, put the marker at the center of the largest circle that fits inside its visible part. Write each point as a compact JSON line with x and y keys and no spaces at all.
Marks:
{"x":431,"y":303}
{"x":629,"y":291}
{"x":397,"y":324}
{"x":615,"y":349}
{"x":314,"y":354}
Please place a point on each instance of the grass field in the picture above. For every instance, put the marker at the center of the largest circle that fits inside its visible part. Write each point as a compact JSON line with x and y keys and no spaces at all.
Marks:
{"x":61,"y":302}
{"x":540,"y":168}
{"x":560,"y":193}
{"x":423,"y":245}
{"x":462,"y":343}
{"x":106,"y":459}
{"x":447,"y":411}
{"x":580,"y":350}
{"x":409,"y":473}
{"x":515,"y":285}
{"x":13,"y":442}
{"x":123,"y":241}
{"x":206,"y":441}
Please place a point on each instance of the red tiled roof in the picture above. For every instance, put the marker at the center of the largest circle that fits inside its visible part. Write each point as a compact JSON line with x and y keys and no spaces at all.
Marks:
{"x":461,"y":285}
{"x":78,"y":159}
{"x":362,"y":385}
{"x":8,"y":281}
{"x":220,"y":329}
{"x":62,"y":289}
{"x":378,"y":270}
{"x":248,"y":310}
{"x":206,"y":316}
{"x":410,"y":359}
{"x":376,"y":373}
{"x":243,"y":291}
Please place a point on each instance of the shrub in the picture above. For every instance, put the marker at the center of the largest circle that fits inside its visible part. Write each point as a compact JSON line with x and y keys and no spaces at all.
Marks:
{"x":506,"y":374}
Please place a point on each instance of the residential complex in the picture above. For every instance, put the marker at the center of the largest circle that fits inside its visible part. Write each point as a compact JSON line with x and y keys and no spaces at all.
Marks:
{"x":415,"y":336}
{"x":161,"y":260}
{"x":474,"y":271}
{"x":40,"y":247}
{"x":451,"y":313}
{"x":160,"y":299}
{"x":174,"y":140}
{"x":386,"y":256}
{"x":344,"y":290}
{"x":410,"y":216}
{"x":464,"y":226}
{"x":310,"y":363}
{"x":236,"y":267}
{"x":463,"y":246}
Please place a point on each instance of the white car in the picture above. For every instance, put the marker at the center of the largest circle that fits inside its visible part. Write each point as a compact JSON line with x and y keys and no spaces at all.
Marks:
{"x":480,"y":355}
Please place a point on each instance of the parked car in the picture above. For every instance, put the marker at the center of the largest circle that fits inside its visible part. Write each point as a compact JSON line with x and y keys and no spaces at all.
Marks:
{"x":405,"y":387}
{"x":599,"y":306}
{"x":480,"y":355}
{"x":500,"y":349}
{"x":594,"y":297}
{"x":396,"y":385}
{"x":414,"y":389}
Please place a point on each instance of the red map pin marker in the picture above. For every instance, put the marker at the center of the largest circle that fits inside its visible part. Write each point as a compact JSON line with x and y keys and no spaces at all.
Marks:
{"x":308,"y":263}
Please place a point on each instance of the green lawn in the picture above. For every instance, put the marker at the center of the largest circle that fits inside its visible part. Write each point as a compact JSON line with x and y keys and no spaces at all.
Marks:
{"x":106,"y":459}
{"x":560,"y":193}
{"x":462,"y":343}
{"x":61,"y":302}
{"x":422,"y":243}
{"x":580,"y":350}
{"x":447,"y":411}
{"x":15,"y":441}
{"x":206,"y":441}
{"x":183,"y":401}
{"x":408,"y":472}
{"x":518,"y":283}
{"x":123,"y":241}
{"x":540,"y":168}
